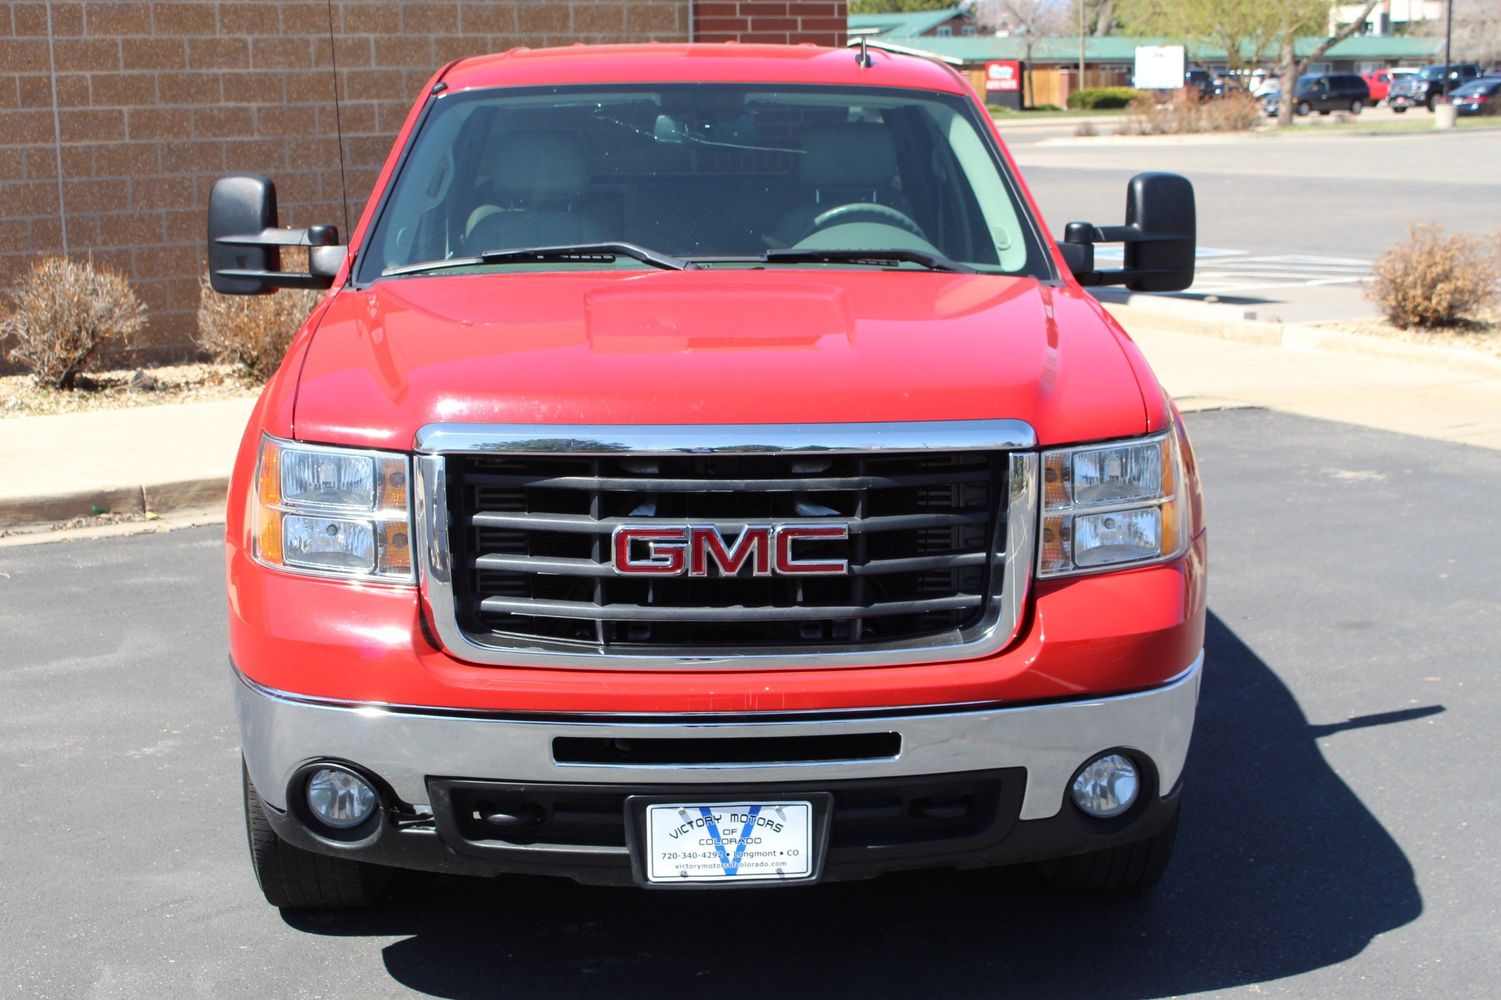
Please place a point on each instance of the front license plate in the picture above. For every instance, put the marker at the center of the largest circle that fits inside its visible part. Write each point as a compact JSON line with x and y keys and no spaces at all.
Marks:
{"x":729,"y":841}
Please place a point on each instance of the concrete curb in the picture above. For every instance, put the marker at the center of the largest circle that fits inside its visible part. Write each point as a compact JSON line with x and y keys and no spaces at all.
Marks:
{"x":1241,"y":325}
{"x":157,"y":498}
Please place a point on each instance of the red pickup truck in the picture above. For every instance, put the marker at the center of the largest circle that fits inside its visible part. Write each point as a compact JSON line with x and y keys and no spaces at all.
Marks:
{"x":705,"y":471}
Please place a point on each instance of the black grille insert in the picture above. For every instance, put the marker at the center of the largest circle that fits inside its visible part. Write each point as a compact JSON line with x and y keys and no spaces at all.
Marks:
{"x":721,"y":750}
{"x":531,"y":548}
{"x":867,"y":815}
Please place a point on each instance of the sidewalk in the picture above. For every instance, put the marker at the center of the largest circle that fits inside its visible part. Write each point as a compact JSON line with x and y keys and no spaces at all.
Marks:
{"x":174,"y":457}
{"x":149,"y":458}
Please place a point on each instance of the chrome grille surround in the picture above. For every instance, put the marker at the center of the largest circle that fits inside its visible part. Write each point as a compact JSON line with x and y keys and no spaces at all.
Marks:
{"x":1010,"y":565}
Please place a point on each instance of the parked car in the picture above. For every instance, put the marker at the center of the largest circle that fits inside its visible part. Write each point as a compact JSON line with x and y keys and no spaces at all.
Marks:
{"x":1478,"y":97}
{"x":1225,"y":86}
{"x":1324,"y":92}
{"x":707,"y":472}
{"x":1380,"y":80}
{"x":1267,"y":86}
{"x":1200,"y":79}
{"x":1426,"y":86}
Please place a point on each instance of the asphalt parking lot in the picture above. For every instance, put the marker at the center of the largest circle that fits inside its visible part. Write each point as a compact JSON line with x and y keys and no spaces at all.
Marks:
{"x":1337,"y":836}
{"x":1287,"y":224}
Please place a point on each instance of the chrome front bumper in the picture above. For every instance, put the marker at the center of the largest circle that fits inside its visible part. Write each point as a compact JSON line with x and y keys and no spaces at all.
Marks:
{"x":280,"y":732}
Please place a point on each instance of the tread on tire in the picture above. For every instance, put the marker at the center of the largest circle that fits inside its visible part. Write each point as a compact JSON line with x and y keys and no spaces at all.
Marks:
{"x":293,"y":878}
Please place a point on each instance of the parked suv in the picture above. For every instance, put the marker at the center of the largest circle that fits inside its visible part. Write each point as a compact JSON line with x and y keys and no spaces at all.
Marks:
{"x":704,"y":470}
{"x":1427,"y":86}
{"x":1325,"y":92}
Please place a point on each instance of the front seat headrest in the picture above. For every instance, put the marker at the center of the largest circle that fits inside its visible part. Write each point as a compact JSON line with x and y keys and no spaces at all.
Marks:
{"x":851,"y":155}
{"x":540,"y":166}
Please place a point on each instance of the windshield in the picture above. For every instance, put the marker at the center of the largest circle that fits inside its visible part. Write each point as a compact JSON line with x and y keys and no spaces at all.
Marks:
{"x":1431,"y":73}
{"x":701,"y":172}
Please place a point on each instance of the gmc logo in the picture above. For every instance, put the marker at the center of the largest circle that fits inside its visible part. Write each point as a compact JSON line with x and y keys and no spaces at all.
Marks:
{"x":687,"y":550}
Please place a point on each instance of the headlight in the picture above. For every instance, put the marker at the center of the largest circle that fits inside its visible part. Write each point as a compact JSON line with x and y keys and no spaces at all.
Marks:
{"x":333,"y":511}
{"x":1112,"y":506}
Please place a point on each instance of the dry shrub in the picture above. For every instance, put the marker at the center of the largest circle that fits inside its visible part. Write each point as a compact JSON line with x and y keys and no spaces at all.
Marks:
{"x":1433,"y":279}
{"x":1235,"y":112}
{"x":1189,"y":112}
{"x":1085,"y":129}
{"x":251,"y":332}
{"x":64,"y":314}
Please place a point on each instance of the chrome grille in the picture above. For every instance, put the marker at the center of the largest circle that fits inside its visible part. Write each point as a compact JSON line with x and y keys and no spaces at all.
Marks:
{"x":530,"y":537}
{"x":516,"y":557}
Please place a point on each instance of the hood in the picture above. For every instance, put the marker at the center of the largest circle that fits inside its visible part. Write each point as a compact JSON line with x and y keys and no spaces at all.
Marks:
{"x":712,"y":347}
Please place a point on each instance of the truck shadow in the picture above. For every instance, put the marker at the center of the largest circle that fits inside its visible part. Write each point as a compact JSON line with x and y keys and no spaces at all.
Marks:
{"x":1280,"y":869}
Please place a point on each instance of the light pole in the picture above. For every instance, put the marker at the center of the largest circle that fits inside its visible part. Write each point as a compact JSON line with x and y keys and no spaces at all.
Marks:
{"x":1448,"y":44}
{"x":1081,"y":43}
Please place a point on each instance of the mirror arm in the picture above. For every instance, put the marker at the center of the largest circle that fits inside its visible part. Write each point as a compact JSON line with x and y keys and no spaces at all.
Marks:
{"x":325,"y":256}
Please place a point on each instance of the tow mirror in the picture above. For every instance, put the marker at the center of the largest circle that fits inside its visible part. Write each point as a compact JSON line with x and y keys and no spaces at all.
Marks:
{"x":245,"y":241}
{"x":1159,"y":237}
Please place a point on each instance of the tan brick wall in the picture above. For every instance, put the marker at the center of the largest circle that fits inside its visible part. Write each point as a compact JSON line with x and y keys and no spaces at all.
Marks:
{"x":154,"y":100}
{"x":821,"y":22}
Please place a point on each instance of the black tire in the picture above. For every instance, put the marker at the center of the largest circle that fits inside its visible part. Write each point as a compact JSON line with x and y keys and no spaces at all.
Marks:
{"x":1303,"y":109}
{"x":1126,"y":869}
{"x":302,"y":880}
{"x":1399,"y":109}
{"x":1356,"y":106}
{"x":1432,"y":102}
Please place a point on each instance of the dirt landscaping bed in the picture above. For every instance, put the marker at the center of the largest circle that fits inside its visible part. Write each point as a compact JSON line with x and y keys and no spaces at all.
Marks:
{"x":1481,"y":335}
{"x":124,"y":387}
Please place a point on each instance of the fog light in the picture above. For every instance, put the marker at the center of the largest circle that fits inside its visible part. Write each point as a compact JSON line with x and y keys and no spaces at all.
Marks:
{"x":1106,"y":786}
{"x":340,"y":799}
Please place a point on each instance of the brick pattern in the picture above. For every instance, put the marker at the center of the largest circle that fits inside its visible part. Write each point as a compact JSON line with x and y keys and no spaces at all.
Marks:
{"x":784,"y":22}
{"x":154,"y":100}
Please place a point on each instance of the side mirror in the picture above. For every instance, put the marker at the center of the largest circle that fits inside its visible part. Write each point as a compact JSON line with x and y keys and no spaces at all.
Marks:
{"x":244,"y":241}
{"x":1159,"y":236}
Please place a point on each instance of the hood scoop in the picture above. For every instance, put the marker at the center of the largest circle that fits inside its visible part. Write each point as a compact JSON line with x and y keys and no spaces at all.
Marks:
{"x":711,"y":315}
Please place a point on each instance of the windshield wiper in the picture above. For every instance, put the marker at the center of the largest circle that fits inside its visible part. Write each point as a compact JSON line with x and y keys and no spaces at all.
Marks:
{"x":932,"y":261}
{"x":580,"y":252}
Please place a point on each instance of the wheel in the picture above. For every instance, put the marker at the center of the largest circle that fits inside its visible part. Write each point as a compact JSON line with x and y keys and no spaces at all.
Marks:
{"x":865,"y":211}
{"x":1303,"y":108}
{"x":1399,"y":109}
{"x":302,"y":880}
{"x":1124,"y":869}
{"x":1431,"y":102}
{"x":1355,"y":107}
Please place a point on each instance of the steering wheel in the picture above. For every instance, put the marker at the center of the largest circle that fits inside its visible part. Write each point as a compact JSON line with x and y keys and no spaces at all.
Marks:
{"x":864,"y":211}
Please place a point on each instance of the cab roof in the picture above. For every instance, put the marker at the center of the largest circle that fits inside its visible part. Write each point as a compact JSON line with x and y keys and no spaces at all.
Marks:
{"x":718,"y":62}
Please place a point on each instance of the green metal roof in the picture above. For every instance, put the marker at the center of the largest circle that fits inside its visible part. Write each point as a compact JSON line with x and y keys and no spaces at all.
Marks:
{"x":1122,"y":48}
{"x":900,"y":24}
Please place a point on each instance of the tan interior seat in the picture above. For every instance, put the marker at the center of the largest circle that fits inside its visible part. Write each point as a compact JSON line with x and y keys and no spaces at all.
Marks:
{"x":536,"y":181}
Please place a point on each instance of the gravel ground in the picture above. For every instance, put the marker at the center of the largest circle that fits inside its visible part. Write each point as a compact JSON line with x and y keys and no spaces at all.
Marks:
{"x":1482,"y":335}
{"x":119,"y":388}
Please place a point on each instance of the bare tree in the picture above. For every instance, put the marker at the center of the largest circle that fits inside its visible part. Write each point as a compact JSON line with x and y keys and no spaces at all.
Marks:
{"x":1477,"y":31}
{"x":1248,"y":31}
{"x":1306,"y":16}
{"x":1029,"y":20}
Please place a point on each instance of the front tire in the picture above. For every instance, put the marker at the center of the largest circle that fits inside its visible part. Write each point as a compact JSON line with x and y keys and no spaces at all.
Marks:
{"x":295,"y":879}
{"x":1304,"y":109}
{"x":1356,"y":107}
{"x":1399,"y":109}
{"x":1120,"y":870}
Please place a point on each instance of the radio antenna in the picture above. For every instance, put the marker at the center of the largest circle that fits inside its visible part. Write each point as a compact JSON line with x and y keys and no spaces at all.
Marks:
{"x":862,"y":58}
{"x":333,"y":55}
